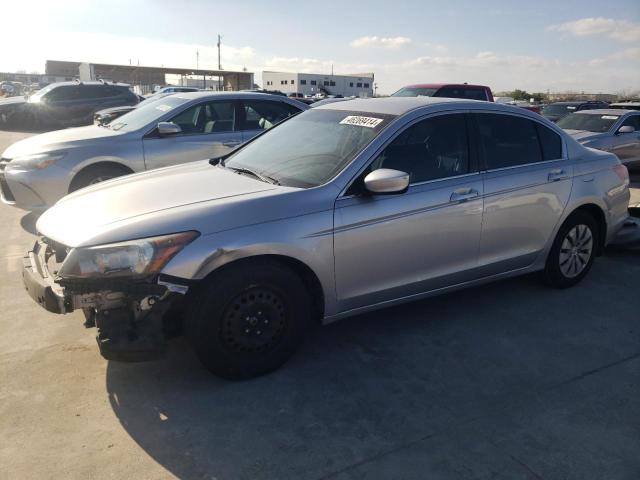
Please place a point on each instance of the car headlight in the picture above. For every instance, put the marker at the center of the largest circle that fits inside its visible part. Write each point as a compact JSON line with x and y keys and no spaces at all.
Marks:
{"x":142,"y":257}
{"x":39,"y":161}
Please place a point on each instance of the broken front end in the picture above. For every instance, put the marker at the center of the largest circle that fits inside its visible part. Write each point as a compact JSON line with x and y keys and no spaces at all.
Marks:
{"x":119,"y":288}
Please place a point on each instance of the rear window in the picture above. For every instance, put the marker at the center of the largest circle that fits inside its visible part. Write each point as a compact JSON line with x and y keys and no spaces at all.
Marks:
{"x":415,"y":92}
{"x":588,"y":122}
{"x":461,"y":92}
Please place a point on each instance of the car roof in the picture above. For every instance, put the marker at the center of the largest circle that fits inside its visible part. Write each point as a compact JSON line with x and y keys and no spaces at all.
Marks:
{"x":624,"y":104}
{"x":402,"y":105}
{"x":577,"y":102}
{"x":57,"y":84}
{"x":606,"y":111}
{"x":440,"y":85}
{"x":237,"y":96}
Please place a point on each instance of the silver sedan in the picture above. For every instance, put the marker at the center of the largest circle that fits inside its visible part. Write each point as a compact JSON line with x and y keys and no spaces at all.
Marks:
{"x":343,"y":209}
{"x":612,"y":130}
{"x":183,"y":127}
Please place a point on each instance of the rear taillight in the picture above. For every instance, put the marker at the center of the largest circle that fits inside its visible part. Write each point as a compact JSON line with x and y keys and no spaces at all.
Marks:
{"x":622,"y":173}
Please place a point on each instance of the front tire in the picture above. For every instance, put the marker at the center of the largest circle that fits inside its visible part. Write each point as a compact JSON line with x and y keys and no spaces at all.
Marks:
{"x":96,"y":174}
{"x":573,"y":251}
{"x":247,"y":320}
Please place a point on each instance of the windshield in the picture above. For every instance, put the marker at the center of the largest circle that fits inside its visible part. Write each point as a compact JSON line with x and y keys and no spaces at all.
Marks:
{"x":558,"y":109}
{"x":588,"y":122}
{"x":415,"y":92}
{"x":36,"y":97}
{"x":147,"y":112}
{"x":311,"y":148}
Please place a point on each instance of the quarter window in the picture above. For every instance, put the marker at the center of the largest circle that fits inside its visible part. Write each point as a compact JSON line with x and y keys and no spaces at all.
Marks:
{"x":507,"y":140}
{"x":550,"y":142}
{"x":433,"y":148}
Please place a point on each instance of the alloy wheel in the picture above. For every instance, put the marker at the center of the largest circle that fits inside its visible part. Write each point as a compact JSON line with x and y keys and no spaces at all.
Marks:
{"x":576,"y":251}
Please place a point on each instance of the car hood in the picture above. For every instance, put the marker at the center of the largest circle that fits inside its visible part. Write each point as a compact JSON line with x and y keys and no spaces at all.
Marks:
{"x":172,"y":199}
{"x":60,"y":140}
{"x":12,"y":101}
{"x":584,"y":135}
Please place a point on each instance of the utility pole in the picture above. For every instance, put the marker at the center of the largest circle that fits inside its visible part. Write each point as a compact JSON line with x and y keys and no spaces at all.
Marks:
{"x":219,"y":64}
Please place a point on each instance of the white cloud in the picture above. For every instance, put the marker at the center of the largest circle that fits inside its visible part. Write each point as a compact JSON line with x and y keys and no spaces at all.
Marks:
{"x":380,"y":42}
{"x":620,"y":30}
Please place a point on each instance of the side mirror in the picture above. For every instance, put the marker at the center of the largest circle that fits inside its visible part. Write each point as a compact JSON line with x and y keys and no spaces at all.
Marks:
{"x":387,"y":181}
{"x":626,"y":129}
{"x":168,"y":128}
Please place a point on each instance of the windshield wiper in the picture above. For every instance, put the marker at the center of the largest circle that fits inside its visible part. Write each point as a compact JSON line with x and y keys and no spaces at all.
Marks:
{"x":259,"y":176}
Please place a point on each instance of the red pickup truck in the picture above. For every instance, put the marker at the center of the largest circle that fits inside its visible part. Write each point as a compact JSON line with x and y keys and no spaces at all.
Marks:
{"x":450,"y":90}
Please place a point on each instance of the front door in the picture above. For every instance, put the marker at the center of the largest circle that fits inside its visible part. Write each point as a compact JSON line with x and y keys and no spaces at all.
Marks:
{"x":527,"y":185}
{"x":208,"y":130}
{"x":627,"y":145}
{"x":393,"y":246}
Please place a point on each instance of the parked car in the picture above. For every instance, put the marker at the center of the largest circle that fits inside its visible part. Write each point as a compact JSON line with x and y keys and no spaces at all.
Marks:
{"x":611,"y":130}
{"x":631,"y":105}
{"x":449,"y":90}
{"x":555,"y":111}
{"x":39,"y":170}
{"x":108,"y":115}
{"x":63,"y":105}
{"x":528,"y":106}
{"x":173,"y":89}
{"x":346,"y":208}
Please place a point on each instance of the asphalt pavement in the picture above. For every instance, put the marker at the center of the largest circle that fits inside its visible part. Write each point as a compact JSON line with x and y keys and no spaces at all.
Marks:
{"x":511,"y":380}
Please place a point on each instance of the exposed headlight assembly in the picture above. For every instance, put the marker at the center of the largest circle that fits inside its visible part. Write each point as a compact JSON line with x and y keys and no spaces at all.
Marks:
{"x":39,"y":161}
{"x":135,"y":258}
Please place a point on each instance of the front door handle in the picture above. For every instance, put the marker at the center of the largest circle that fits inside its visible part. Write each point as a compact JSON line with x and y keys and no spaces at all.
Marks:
{"x":557,"y":175}
{"x":463,"y":194}
{"x":232,"y":143}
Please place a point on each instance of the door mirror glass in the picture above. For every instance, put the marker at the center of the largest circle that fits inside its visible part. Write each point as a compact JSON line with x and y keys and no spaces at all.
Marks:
{"x":168,"y":128}
{"x":626,"y":129}
{"x":386,"y":181}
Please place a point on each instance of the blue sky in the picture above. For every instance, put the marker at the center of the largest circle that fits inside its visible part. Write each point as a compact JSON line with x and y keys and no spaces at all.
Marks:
{"x":556,"y":46}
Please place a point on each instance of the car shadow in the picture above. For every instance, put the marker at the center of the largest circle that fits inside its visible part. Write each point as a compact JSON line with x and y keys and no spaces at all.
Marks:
{"x":28,"y":222}
{"x":367,"y":384}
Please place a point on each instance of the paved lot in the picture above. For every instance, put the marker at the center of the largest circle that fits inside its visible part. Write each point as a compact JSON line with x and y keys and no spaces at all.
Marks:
{"x":510,"y":381}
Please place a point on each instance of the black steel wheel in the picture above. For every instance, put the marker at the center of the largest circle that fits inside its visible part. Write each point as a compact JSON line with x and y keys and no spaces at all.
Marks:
{"x":247,"y":319}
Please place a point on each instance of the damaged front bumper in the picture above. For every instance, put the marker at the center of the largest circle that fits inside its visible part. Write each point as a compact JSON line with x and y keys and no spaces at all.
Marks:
{"x":130,"y":315}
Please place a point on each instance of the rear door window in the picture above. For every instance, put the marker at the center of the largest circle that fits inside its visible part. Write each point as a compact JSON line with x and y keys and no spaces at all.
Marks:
{"x":262,"y":115}
{"x":507,"y":140}
{"x":633,"y":121}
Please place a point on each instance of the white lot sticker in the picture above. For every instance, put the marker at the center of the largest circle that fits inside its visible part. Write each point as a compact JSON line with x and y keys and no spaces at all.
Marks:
{"x":369,"y":122}
{"x":609,"y":117}
{"x":571,"y":108}
{"x":164,"y":108}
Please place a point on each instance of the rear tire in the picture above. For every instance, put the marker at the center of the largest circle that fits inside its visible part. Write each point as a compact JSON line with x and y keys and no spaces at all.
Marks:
{"x":248,"y":320}
{"x":573,"y":251}
{"x":97,"y":174}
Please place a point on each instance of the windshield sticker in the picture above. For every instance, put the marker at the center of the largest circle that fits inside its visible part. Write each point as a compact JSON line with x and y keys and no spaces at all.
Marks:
{"x":369,"y":122}
{"x":571,"y":108}
{"x":164,"y":108}
{"x":609,"y":117}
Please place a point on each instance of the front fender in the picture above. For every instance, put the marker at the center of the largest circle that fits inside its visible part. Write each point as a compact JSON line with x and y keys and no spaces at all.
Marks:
{"x":307,"y":239}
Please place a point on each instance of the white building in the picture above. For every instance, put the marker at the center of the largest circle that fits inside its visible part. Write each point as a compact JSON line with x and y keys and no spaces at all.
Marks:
{"x":359,"y":84}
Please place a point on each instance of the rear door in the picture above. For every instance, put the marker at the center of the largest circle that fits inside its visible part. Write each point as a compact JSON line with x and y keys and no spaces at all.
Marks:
{"x":527,"y":183}
{"x":209,"y":130}
{"x":260,"y":115}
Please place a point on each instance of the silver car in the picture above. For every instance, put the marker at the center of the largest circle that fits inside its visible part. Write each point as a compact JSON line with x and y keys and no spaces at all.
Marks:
{"x":183,"y":127}
{"x":343,"y":209}
{"x":612,"y":130}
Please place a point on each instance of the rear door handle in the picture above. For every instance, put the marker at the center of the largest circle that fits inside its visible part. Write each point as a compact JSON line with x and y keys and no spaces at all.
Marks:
{"x":557,"y":175}
{"x":463,"y":194}
{"x":232,"y":143}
